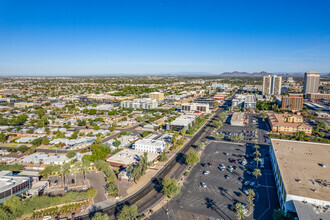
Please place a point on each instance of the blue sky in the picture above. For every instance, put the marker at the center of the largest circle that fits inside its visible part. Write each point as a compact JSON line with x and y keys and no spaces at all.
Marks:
{"x":63,"y":37}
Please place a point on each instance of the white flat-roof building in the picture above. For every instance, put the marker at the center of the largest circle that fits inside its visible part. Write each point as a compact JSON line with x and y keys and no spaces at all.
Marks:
{"x":182,"y":122}
{"x":145,"y":103}
{"x":237,"y":119}
{"x":129,"y":156}
{"x":45,"y":159}
{"x":302,"y":176}
{"x":149,"y":145}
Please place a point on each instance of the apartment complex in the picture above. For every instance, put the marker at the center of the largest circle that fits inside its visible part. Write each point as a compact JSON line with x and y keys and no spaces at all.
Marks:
{"x":272,"y":85}
{"x":311,"y":82}
{"x":195,"y":108}
{"x":288,"y":123}
{"x":302,"y":177}
{"x":292,"y":102}
{"x":146,"y":103}
{"x":159,"y":96}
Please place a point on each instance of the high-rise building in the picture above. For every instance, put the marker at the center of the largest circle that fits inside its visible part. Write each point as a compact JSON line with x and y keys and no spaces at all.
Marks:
{"x":293,"y":102}
{"x":272,"y":85}
{"x":311,"y":82}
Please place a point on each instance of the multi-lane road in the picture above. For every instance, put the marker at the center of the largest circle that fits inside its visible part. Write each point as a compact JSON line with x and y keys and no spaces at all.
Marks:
{"x":150,"y":194}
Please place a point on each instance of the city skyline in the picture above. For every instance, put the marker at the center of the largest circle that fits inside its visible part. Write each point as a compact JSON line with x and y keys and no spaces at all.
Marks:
{"x":151,"y":37}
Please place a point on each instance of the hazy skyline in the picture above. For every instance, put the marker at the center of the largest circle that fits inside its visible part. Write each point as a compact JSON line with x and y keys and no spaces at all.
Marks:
{"x":141,"y":37}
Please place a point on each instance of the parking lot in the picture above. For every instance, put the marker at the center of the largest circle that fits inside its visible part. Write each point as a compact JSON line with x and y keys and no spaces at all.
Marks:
{"x":220,"y":194}
{"x":255,"y":124}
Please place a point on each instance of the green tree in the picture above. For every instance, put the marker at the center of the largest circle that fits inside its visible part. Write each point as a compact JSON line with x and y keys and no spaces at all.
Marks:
{"x":113,"y":189}
{"x":64,"y":170}
{"x":192,"y":158}
{"x":279,"y":214}
{"x":257,"y":153}
{"x":128,"y":212}
{"x":251,"y":196}
{"x":91,"y":193}
{"x":299,"y":135}
{"x":183,"y":132}
{"x":257,"y":174}
{"x":219,"y":136}
{"x":45,"y":141}
{"x":100,"y":216}
{"x":239,"y":207}
{"x":116,"y":143}
{"x":163,"y":157}
{"x":71,"y":154}
{"x":201,"y":145}
{"x":23,"y":148}
{"x":3,"y":137}
{"x":37,"y":142}
{"x":257,"y":159}
{"x":92,"y":111}
{"x":170,"y":187}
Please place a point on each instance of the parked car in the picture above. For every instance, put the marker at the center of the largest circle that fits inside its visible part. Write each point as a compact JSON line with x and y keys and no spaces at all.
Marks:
{"x":227,"y":176}
{"x":252,"y":183}
{"x":238,"y":194}
{"x":246,"y":183}
{"x":203,"y":185}
{"x":65,"y":189}
{"x":206,"y":172}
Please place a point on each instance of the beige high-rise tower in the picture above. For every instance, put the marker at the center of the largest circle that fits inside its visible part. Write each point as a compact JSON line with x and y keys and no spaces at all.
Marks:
{"x":272,"y":85}
{"x":311,"y":82}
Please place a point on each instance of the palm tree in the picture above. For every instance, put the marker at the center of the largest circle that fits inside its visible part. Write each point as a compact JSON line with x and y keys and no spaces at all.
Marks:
{"x":257,"y":153}
{"x":84,"y":168}
{"x":76,"y":169}
{"x":239,"y":211}
{"x":257,"y":159}
{"x":257,"y":174}
{"x":251,"y":196}
{"x":64,"y":170}
{"x":256,"y":146}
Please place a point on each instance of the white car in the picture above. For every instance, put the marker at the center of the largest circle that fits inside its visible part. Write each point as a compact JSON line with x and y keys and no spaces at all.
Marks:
{"x":252,"y":183}
{"x":206,"y":172}
{"x":246,"y":183}
{"x":203,"y":185}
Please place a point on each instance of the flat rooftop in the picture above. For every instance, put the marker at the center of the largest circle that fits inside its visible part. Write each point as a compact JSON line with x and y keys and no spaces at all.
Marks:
{"x":238,"y":116}
{"x":298,"y":160}
{"x":128,"y":156}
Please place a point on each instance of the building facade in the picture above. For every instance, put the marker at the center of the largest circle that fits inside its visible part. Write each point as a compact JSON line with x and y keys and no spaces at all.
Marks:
{"x":159,"y":96}
{"x":292,"y":102}
{"x":288,"y":123}
{"x":11,"y":185}
{"x":272,"y":85}
{"x":140,"y":104}
{"x":311,"y":82}
{"x":195,"y":108}
{"x":318,"y":96}
{"x":149,"y":145}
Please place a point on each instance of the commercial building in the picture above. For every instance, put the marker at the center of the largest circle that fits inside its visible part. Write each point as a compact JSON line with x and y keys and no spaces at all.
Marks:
{"x":11,"y":185}
{"x":250,"y":102}
{"x":220,"y":96}
{"x":145,"y":103}
{"x":221,"y":85}
{"x":182,"y":122}
{"x":39,"y":158}
{"x":159,"y":96}
{"x":195,"y":108}
{"x":272,"y":85}
{"x":129,"y":157}
{"x":311,"y":82}
{"x":318,"y":96}
{"x":288,"y":123}
{"x":205,"y":100}
{"x":292,"y":102}
{"x":237,"y":119}
{"x":149,"y":145}
{"x":244,"y":101}
{"x":302,"y":177}
{"x":23,"y":104}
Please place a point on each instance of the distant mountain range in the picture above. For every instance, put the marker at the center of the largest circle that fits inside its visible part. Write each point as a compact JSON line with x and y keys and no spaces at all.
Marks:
{"x":263,"y":73}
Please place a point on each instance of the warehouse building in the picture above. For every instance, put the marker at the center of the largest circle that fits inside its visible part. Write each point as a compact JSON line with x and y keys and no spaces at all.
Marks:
{"x":237,"y":119}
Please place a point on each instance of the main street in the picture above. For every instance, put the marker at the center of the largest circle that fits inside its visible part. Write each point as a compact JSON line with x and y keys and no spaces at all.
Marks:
{"x":150,"y":194}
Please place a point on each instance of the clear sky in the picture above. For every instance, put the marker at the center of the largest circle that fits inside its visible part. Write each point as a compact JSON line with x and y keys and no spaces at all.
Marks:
{"x":63,"y":37}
